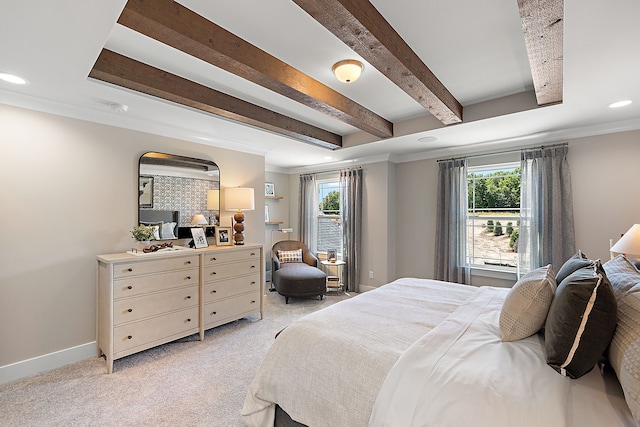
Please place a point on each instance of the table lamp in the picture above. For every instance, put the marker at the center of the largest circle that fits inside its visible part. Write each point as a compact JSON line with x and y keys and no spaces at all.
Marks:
{"x":239,"y":199}
{"x":629,"y":244}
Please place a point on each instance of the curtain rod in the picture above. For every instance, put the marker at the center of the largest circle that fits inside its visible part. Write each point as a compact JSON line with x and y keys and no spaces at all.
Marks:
{"x":519,"y":150}
{"x":322,"y":172}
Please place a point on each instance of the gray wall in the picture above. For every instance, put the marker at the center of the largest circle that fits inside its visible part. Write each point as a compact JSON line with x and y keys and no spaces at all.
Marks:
{"x":69,"y":193}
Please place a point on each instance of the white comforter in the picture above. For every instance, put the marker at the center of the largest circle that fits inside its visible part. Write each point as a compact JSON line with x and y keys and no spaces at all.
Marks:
{"x":421,"y":353}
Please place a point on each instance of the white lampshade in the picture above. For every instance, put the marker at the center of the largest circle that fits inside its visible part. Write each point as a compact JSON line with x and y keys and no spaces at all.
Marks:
{"x":347,"y":71}
{"x":629,"y":243}
{"x":199,"y":219}
{"x":239,"y":198}
{"x":213,"y":200}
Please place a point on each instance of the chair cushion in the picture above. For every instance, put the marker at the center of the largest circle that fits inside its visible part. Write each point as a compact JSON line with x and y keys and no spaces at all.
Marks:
{"x":299,"y":279}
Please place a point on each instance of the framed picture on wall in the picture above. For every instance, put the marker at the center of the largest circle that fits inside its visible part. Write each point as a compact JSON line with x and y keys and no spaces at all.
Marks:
{"x":269,"y":189}
{"x":223,"y":236}
{"x":145,"y":192}
{"x":199,"y":238}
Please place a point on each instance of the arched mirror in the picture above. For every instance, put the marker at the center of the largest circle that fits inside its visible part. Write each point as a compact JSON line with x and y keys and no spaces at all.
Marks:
{"x":176,"y":192}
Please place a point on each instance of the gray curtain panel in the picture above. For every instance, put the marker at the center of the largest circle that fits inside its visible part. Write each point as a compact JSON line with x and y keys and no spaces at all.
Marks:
{"x":308,"y":212}
{"x":451,"y":223}
{"x":351,"y":219}
{"x":547,"y":234}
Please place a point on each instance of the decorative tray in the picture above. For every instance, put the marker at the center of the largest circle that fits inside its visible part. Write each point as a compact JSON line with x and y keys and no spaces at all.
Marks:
{"x":174,"y":248}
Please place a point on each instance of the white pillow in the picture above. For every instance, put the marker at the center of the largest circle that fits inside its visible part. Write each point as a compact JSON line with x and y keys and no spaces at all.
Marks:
{"x":290,"y":256}
{"x":527,"y":304}
{"x":167,"y":231}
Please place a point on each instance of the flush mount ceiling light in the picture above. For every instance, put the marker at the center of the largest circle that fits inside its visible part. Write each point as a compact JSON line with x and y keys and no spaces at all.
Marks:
{"x":347,"y":71}
{"x":10,"y":78}
{"x":620,"y":104}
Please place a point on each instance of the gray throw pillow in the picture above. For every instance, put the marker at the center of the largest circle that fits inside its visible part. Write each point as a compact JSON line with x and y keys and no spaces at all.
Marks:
{"x":622,"y":275}
{"x":581,"y":321}
{"x":577,"y":261}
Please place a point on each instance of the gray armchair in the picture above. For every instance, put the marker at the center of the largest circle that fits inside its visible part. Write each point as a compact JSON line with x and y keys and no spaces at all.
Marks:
{"x":297,"y":279}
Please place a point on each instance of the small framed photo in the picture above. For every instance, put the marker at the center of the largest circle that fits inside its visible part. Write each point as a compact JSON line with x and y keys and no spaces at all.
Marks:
{"x":266,"y":213}
{"x":332,"y":255}
{"x":269,"y":189}
{"x":199,"y":238}
{"x":223,"y":236}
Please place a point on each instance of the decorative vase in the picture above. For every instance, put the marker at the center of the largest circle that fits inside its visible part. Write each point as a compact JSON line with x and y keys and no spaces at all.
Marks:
{"x":142,"y":244}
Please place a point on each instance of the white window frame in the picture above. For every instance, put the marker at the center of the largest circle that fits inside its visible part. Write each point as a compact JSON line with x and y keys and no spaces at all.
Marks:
{"x":488,"y":268}
{"x":319,"y":182}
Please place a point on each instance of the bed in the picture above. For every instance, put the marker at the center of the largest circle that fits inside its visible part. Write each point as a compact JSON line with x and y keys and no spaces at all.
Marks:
{"x":166,"y":222}
{"x":428,"y":353}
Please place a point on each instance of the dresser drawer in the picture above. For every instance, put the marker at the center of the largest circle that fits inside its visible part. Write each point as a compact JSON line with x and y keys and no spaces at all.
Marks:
{"x":136,"y":334}
{"x":217,"y":312}
{"x":155,"y":266}
{"x":217,"y":290}
{"x":133,"y":286}
{"x":136,"y":308}
{"x":226,"y":271}
{"x":222,"y":256}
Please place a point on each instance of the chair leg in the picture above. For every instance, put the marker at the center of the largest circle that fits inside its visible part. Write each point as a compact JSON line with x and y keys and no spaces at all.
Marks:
{"x":286,"y":300}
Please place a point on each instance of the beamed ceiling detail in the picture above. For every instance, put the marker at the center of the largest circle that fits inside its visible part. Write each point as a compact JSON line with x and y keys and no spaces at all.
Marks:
{"x":356,"y":23}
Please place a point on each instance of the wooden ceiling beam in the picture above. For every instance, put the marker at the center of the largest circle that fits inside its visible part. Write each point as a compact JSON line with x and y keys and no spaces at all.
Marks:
{"x":122,"y":71}
{"x":359,"y":25}
{"x":173,"y":24}
{"x":542,"y":23}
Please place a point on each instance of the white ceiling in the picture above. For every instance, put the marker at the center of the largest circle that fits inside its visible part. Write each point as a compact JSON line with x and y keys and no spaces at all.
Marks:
{"x":475,"y":48}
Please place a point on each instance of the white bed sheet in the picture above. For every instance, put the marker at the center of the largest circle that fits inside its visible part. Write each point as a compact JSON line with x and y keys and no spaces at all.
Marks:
{"x":435,"y":359}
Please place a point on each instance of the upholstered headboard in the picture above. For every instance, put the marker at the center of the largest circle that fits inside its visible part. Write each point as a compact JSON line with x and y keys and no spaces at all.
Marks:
{"x":163,"y":219}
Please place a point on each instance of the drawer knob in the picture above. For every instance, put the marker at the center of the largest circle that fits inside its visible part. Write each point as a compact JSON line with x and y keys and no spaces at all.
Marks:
{"x":253,"y":266}
{"x":188,"y":296}
{"x":213,"y":291}
{"x":130,"y":310}
{"x":253,"y":302}
{"x":253,"y":254}
{"x":188,"y":320}
{"x":214,"y":313}
{"x":129,"y":269}
{"x":253,"y":283}
{"x":129,"y":287}
{"x":213,"y":273}
{"x":188,"y":262}
{"x":214,"y":259}
{"x":188,"y":277}
{"x":129,"y":337}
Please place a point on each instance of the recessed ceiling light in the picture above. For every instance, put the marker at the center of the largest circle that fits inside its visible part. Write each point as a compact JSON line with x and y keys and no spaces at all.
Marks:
{"x":12,"y":79}
{"x":427,"y":139}
{"x":620,"y":104}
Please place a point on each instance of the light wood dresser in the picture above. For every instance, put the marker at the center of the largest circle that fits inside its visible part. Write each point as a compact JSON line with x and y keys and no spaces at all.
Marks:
{"x":152,"y":299}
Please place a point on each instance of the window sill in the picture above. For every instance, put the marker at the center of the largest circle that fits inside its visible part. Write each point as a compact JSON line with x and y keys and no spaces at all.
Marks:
{"x":494,"y":273}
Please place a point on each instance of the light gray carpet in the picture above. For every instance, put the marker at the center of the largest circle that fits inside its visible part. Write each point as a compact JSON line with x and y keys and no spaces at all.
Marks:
{"x":184,"y":383}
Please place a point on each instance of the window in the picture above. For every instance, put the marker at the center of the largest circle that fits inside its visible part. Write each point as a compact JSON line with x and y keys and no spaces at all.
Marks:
{"x":493,"y":216}
{"x":329,"y":229}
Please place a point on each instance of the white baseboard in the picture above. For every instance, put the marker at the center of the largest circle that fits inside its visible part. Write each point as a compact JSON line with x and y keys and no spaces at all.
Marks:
{"x":46,"y":362}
